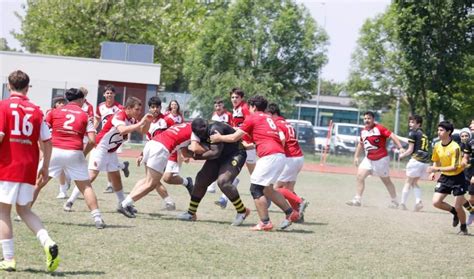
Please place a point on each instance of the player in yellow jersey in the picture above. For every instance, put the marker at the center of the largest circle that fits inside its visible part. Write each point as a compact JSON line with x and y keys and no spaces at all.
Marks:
{"x":447,"y":160}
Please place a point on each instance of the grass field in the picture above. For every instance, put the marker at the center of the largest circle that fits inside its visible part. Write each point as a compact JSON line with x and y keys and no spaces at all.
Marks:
{"x":336,"y":240}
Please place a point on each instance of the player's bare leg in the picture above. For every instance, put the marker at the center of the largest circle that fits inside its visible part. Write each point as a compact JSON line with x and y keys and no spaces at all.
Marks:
{"x":391,"y":190}
{"x":360,"y":187}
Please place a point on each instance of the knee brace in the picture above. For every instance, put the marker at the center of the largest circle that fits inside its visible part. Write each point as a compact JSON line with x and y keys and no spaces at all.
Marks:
{"x":256,"y":190}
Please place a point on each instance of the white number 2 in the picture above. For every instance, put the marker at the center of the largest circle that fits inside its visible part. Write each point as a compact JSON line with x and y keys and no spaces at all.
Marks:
{"x":67,"y":125}
{"x":26,"y":126}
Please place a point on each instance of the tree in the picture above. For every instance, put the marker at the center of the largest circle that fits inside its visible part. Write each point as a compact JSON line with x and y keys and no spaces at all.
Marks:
{"x":435,"y":41}
{"x":424,"y":48}
{"x":273,"y":48}
{"x":4,"y":45}
{"x":76,"y":28}
{"x":375,"y":63}
{"x":331,"y":87}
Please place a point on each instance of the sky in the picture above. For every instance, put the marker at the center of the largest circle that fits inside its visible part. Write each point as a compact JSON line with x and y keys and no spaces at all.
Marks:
{"x":342,"y":20}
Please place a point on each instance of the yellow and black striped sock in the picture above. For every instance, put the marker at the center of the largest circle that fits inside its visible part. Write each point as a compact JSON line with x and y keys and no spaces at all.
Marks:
{"x":193,"y":205}
{"x":239,"y":205}
{"x":468,"y":207}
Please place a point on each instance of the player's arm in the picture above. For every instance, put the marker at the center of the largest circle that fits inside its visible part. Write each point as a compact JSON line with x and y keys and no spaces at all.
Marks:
{"x":359,"y":147}
{"x":237,"y":135}
{"x":214,"y":152}
{"x":411,"y":147}
{"x":47,"y":148}
{"x":397,"y":142}
{"x":137,"y":127}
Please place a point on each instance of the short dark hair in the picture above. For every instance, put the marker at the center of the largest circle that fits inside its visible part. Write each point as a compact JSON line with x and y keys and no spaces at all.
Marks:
{"x":58,"y":99}
{"x":273,"y":109}
{"x":18,"y":80}
{"x":199,"y":127}
{"x":218,"y":101}
{"x":132,"y":102}
{"x":448,"y":126}
{"x":259,"y":102}
{"x":109,"y":87}
{"x":418,"y":119}
{"x":369,"y":113}
{"x":73,"y":94}
{"x":237,"y":91}
{"x":154,"y":101}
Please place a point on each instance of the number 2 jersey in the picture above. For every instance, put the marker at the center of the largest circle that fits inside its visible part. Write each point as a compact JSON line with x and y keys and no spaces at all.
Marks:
{"x":22,"y":125}
{"x":69,"y":124}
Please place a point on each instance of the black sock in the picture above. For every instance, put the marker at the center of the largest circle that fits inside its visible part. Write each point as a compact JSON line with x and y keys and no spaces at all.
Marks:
{"x":453,"y":211}
{"x":265,"y":220}
{"x":289,"y":211}
{"x":193,"y":205}
{"x":468,"y":207}
{"x":238,"y":204}
{"x":463,"y":227}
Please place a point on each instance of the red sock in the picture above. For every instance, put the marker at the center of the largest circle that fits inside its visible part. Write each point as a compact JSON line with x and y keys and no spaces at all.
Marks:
{"x":291,"y":197}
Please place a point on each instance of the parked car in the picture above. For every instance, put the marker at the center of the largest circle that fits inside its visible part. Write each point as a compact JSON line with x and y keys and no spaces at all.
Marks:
{"x":345,"y":137}
{"x":320,"y":138}
{"x":305,"y":134}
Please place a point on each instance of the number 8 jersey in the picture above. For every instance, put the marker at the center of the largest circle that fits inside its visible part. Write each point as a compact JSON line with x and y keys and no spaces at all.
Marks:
{"x":69,"y":124}
{"x":22,"y":125}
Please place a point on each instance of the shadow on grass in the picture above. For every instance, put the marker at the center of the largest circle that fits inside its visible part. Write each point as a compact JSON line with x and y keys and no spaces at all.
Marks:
{"x":313,"y":223}
{"x":92,"y":225}
{"x":63,"y":273}
{"x":295,"y":231}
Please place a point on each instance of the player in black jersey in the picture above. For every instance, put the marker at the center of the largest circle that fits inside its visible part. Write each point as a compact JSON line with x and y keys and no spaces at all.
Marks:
{"x":420,"y":158}
{"x":223,"y":163}
{"x":467,"y":147}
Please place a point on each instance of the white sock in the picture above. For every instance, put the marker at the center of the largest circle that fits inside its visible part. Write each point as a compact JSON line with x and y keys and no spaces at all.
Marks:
{"x":43,"y":237}
{"x":63,"y":188}
{"x":109,"y":184}
{"x":168,"y":200}
{"x":8,"y":249}
{"x":224,"y":197}
{"x":405,"y":196}
{"x":185,"y":181}
{"x":121,"y":165}
{"x":128,"y":201}
{"x":417,"y":191}
{"x":96,"y":215}
{"x":357,"y":198}
{"x":235,"y":182}
{"x":74,"y":195}
{"x":120,"y":195}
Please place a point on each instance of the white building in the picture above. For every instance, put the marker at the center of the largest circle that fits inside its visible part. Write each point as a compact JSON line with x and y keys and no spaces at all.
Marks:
{"x":51,"y":75}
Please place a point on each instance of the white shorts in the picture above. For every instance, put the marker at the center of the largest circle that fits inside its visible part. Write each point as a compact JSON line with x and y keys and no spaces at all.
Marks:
{"x":155,"y":156}
{"x":251,"y":156}
{"x":101,"y":160}
{"x":173,"y":167}
{"x":417,"y":169}
{"x":16,"y":193}
{"x":292,"y":168}
{"x":72,"y":162}
{"x":267,"y":169}
{"x":379,"y":167}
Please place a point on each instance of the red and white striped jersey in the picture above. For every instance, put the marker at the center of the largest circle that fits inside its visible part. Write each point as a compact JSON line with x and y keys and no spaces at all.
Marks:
{"x":109,"y":138}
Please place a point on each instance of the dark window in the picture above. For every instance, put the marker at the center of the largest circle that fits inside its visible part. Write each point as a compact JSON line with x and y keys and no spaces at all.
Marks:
{"x":57,"y":92}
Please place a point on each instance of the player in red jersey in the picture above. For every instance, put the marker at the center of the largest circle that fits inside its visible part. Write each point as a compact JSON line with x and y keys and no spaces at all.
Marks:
{"x":69,"y":125}
{"x":173,"y":166}
{"x":270,"y":164}
{"x":59,"y":102}
{"x":155,"y":157}
{"x":294,"y":163}
{"x":160,"y":123}
{"x":104,"y":111}
{"x":21,"y":128}
{"x":104,"y":156}
{"x":373,"y":139}
{"x":239,"y":112}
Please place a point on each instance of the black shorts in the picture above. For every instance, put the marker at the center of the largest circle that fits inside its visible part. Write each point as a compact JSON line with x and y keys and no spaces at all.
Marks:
{"x":236,"y":160}
{"x":456,"y":184}
{"x":470,"y":189}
